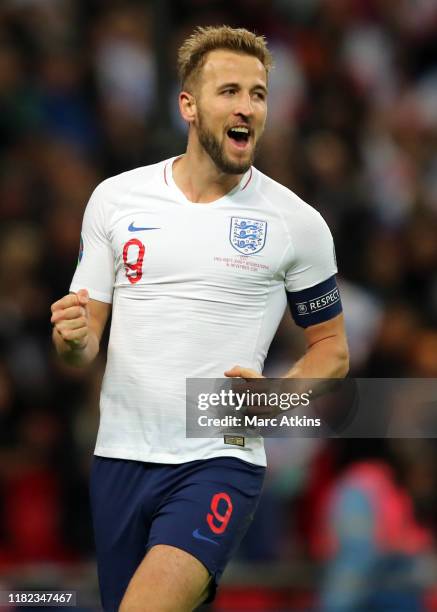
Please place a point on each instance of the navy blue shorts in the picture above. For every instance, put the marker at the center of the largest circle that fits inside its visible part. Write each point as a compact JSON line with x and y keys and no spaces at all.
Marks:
{"x":203,"y":507}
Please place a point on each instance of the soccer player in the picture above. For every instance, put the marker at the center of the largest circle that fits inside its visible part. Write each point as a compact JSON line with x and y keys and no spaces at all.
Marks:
{"x":197,"y":255}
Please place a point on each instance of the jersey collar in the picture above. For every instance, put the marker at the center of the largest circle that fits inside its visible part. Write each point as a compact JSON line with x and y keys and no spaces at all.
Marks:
{"x":246,"y":179}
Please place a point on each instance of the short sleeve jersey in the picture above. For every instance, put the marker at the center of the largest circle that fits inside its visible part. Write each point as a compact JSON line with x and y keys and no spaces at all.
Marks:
{"x":195,"y":290}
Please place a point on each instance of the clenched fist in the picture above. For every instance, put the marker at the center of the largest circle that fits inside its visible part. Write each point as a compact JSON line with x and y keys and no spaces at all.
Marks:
{"x":70,"y":318}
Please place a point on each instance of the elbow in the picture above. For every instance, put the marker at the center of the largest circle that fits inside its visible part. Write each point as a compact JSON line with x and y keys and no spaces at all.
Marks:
{"x":343,"y":362}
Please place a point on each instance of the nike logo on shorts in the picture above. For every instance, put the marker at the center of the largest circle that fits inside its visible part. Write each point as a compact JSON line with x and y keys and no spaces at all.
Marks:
{"x":132,"y":228}
{"x":199,"y":536}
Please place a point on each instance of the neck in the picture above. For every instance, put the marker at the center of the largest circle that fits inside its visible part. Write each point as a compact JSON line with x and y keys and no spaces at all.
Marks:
{"x":198,"y":177}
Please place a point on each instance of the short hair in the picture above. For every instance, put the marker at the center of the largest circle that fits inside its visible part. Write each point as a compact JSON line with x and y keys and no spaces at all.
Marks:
{"x":192,"y":53}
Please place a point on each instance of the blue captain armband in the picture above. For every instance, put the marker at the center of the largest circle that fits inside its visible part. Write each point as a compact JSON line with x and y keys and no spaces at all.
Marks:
{"x":316,"y":304}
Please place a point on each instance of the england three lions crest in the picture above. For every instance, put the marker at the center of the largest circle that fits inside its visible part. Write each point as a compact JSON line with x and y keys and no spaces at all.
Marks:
{"x":248,"y":236}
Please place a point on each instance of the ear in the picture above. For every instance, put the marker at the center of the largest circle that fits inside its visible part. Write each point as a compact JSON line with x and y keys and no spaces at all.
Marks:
{"x":187,"y":106}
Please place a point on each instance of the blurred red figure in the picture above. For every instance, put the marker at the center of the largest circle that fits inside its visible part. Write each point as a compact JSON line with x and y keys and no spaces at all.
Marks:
{"x":32,"y":506}
{"x":371,"y":542}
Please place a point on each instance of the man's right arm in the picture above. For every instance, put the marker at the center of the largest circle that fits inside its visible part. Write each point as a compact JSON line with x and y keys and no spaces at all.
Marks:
{"x":78,"y":324}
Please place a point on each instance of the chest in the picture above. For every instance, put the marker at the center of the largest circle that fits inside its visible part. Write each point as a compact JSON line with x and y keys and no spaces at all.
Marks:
{"x":167,"y":243}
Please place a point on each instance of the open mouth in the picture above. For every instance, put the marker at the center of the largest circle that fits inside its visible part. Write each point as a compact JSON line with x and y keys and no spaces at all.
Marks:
{"x":239,"y":135}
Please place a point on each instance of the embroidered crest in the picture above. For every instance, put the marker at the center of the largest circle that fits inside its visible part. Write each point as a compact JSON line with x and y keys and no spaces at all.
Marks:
{"x":248,"y":236}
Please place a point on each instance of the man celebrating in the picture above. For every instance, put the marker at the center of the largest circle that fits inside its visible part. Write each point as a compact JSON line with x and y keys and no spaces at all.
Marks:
{"x":198,"y":255}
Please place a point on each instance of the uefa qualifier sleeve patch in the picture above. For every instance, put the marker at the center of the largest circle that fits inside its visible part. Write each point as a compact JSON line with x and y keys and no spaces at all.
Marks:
{"x":316,"y":304}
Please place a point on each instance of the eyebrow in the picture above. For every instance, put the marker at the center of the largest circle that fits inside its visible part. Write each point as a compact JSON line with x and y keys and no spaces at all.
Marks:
{"x":238,"y":86}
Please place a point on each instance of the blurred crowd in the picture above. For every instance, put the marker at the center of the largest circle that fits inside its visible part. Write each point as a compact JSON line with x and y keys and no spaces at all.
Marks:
{"x":88,"y":89}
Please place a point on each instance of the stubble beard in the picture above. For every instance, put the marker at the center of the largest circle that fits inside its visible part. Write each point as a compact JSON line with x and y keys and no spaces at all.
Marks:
{"x":216,"y":152}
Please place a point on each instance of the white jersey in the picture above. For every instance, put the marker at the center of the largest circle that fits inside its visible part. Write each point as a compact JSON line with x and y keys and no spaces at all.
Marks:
{"x":196,"y":289}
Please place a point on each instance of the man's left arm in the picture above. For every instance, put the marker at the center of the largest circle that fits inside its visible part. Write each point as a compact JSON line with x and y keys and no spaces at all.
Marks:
{"x":326,"y":355}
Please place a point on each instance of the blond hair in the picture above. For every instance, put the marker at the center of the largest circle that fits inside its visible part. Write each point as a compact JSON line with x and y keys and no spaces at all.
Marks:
{"x":192,"y":54}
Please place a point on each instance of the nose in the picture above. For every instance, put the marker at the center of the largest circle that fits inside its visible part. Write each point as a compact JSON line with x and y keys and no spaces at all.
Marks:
{"x":244,"y":107}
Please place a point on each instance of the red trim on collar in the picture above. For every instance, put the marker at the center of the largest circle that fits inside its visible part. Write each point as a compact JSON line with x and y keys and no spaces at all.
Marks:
{"x":248,"y":180}
{"x":242,"y":189}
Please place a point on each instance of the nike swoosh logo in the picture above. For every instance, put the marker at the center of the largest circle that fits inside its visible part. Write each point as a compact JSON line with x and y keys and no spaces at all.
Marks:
{"x":132,"y":228}
{"x":199,"y":536}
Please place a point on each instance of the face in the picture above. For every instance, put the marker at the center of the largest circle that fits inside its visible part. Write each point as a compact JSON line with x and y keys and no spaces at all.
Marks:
{"x":231,"y":109}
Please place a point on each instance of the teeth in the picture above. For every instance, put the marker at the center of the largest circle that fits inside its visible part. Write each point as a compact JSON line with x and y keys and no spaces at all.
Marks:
{"x":243,"y":130}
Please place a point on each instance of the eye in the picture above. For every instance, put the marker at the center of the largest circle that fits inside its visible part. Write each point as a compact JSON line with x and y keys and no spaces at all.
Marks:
{"x":259,"y":95}
{"x":230,"y":91}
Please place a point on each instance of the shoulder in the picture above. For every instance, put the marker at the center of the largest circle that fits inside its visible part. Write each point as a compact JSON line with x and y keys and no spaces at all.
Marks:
{"x":288,"y":204}
{"x":129,"y":180}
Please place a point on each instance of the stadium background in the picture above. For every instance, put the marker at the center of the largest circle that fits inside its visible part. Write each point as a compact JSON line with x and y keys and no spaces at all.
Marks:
{"x":88,"y":89}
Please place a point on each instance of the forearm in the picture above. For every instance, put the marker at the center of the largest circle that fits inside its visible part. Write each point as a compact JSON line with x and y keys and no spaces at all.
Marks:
{"x":324,"y":359}
{"x":78,"y":357}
